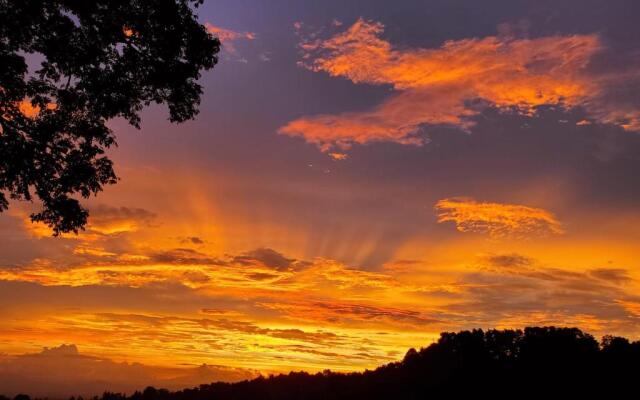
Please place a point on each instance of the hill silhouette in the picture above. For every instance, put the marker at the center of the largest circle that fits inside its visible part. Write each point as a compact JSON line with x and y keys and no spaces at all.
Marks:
{"x":543,"y":362}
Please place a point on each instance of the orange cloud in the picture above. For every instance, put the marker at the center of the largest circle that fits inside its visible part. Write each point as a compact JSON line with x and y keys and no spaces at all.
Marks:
{"x":32,"y":111}
{"x":338,"y":156}
{"x":228,"y":36}
{"x":496,"y":219}
{"x":436,"y":86}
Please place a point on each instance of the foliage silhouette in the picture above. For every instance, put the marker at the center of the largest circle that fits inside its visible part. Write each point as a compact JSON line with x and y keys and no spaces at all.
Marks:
{"x":100,"y":59}
{"x":544,"y":362}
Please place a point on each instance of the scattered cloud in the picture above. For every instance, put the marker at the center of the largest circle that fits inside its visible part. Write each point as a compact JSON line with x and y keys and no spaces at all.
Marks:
{"x":497,"y":219}
{"x":451,"y":84}
{"x":192,"y":240}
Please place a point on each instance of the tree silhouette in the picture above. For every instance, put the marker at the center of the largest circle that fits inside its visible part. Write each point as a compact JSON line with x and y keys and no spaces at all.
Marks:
{"x":98,"y":60}
{"x":545,"y":362}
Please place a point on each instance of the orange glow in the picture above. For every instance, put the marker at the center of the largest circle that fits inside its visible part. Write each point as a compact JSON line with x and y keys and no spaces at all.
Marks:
{"x":208,"y":299}
{"x":31,"y":111}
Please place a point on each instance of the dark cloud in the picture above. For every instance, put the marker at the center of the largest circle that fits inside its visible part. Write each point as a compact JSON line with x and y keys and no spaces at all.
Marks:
{"x":184,"y":256}
{"x":195,"y":240}
{"x":509,"y":260}
{"x":260,"y":276}
{"x":267,"y":257}
{"x":61,"y":372}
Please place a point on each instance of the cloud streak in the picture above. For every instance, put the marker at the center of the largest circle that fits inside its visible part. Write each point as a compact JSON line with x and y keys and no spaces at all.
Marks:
{"x":451,"y":84}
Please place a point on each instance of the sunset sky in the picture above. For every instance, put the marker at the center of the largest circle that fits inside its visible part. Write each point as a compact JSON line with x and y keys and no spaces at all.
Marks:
{"x":362,"y":176}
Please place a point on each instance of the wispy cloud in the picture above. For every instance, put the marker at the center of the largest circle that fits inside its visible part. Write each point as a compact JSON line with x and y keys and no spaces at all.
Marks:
{"x":497,"y":219}
{"x":229,"y":37}
{"x":451,"y":84}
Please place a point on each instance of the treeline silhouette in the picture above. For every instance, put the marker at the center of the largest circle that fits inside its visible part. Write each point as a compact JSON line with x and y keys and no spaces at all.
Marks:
{"x":544,"y":362}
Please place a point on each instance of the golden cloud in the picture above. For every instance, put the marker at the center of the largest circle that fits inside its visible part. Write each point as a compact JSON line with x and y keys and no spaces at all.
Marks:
{"x":436,"y":86}
{"x":496,"y":219}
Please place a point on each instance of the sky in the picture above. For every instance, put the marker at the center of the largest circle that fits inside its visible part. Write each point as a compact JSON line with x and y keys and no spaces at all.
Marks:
{"x":362,"y":176}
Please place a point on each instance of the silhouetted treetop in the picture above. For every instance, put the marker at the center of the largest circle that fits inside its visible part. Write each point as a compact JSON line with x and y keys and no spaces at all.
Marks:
{"x":69,"y":66}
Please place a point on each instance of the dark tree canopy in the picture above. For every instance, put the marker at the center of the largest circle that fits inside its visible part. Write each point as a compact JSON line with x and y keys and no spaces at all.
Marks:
{"x":98,"y":60}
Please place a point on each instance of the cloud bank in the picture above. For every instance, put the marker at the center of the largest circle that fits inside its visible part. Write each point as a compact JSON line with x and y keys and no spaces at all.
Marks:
{"x":63,"y":371}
